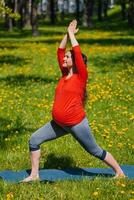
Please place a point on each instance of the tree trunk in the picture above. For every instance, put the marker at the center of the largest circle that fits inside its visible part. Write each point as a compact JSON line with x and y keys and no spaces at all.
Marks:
{"x":15,"y":6}
{"x":8,"y":19}
{"x":131,"y":13}
{"x":123,"y":9}
{"x":67,"y":6}
{"x":62,"y":14}
{"x":21,"y":12}
{"x":105,"y":8}
{"x":111,"y":4}
{"x":88,"y":13}
{"x":52,"y":11}
{"x":15,"y":10}
{"x":77,"y":10}
{"x":27,"y":14}
{"x":34,"y":22}
{"x":8,"y":23}
{"x":41,"y":4}
{"x":100,"y":10}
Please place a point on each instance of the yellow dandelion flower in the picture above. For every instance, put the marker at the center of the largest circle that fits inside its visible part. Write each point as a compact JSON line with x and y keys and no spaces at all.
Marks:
{"x":43,"y":50}
{"x":95,"y":193}
{"x":8,"y":126}
{"x":120,"y":145}
{"x":122,"y":191}
{"x":125,"y":129}
{"x":119,"y":133}
{"x":123,"y":185}
{"x":132,"y":117}
{"x":9,"y":196}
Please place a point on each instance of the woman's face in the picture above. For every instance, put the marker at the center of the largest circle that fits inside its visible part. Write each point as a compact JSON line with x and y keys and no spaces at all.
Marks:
{"x":67,"y":60}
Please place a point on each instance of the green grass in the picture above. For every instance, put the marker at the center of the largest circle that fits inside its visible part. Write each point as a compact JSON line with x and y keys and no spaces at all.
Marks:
{"x":28,"y":76}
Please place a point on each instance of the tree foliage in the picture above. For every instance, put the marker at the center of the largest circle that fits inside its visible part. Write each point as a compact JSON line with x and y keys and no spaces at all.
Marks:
{"x":5,"y":10}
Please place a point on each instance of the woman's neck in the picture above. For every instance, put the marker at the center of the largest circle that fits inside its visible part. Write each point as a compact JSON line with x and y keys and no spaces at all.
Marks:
{"x":70,"y":73}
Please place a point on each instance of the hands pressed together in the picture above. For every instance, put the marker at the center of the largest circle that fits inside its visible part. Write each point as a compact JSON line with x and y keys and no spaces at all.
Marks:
{"x":72,"y":28}
{"x":71,"y":31}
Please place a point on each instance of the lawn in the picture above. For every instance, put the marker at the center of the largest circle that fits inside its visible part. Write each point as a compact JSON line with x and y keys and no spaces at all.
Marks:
{"x":29,"y":74}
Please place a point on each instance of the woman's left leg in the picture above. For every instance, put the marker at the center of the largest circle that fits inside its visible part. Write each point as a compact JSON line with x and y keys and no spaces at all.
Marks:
{"x":82,"y":133}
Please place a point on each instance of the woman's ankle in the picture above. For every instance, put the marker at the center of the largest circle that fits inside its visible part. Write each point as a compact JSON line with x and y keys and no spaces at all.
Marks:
{"x":119,"y":173}
{"x":34,"y":175}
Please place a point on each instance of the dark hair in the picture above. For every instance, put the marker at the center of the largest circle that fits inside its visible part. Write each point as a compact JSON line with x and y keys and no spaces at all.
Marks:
{"x":83,"y":56}
{"x":75,"y":71}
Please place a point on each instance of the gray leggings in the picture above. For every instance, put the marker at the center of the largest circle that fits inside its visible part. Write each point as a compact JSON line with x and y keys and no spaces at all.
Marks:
{"x":81,"y":132}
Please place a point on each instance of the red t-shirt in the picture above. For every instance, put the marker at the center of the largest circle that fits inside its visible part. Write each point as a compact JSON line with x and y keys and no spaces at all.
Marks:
{"x":69,"y":95}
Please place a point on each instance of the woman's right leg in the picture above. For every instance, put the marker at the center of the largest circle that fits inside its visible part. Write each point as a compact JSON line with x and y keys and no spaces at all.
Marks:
{"x":48,"y":132}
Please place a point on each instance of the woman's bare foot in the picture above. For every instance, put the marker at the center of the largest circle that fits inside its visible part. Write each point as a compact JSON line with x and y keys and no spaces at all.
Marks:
{"x":30,"y":179}
{"x":121,"y":175}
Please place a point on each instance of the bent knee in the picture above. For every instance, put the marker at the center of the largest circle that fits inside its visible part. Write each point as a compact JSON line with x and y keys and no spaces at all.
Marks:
{"x":101,"y":154}
{"x":33,"y":144}
{"x":98,"y":152}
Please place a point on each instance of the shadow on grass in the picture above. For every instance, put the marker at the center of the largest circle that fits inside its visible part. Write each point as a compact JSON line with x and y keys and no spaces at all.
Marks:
{"x":103,"y":42}
{"x":52,"y":30}
{"x":28,"y":33}
{"x":23,"y":80}
{"x":48,"y":30}
{"x":113,"y":25}
{"x":108,"y":41}
{"x":15,"y":34}
{"x":13,"y":60}
{"x":10,"y":128}
{"x":67,"y":164}
{"x":58,"y":162}
{"x":116,"y":61}
{"x":8,"y":45}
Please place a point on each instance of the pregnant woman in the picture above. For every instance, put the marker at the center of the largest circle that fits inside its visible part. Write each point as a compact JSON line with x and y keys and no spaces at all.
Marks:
{"x":68,"y":115}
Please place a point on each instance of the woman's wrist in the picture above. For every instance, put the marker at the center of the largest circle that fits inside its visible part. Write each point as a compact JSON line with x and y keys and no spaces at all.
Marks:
{"x":70,"y":32}
{"x":72,"y":39}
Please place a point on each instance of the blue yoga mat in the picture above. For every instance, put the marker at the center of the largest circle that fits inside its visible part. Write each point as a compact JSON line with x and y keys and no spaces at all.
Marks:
{"x":66,"y":174}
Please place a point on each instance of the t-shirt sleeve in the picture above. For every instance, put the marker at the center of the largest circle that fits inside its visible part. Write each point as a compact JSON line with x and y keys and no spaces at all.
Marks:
{"x":60,"y":56}
{"x":80,"y":65}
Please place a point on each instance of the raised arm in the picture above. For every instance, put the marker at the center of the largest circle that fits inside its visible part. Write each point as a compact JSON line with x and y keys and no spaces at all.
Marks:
{"x":81,"y":67}
{"x":64,"y":42}
{"x":65,"y":39}
{"x":71,"y":30}
{"x":61,"y":54}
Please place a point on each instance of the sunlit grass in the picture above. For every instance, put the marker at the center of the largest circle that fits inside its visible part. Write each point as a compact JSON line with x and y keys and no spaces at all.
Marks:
{"x":28,"y":76}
